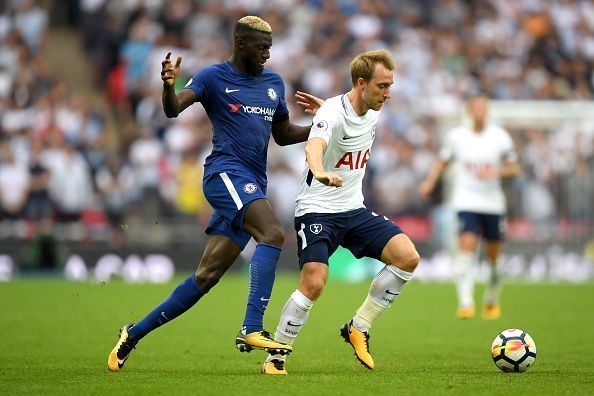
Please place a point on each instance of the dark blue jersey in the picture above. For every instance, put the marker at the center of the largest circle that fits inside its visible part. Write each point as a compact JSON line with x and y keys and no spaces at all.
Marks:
{"x":241,"y":109}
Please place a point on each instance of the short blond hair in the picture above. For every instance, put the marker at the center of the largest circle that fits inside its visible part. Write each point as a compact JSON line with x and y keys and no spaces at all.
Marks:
{"x":252,"y":22}
{"x":364,"y":64}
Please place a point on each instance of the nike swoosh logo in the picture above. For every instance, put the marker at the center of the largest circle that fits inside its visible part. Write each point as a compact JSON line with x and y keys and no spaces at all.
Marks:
{"x":163,"y":315}
{"x":347,"y":137}
{"x":264,"y":299}
{"x":389,"y":292}
{"x":121,"y":362}
{"x":293,"y":324}
{"x":227,"y":90}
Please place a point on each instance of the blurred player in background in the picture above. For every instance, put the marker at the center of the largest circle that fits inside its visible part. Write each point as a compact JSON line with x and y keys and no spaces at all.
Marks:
{"x":330,"y":210}
{"x":482,"y":154}
{"x":246,"y":104}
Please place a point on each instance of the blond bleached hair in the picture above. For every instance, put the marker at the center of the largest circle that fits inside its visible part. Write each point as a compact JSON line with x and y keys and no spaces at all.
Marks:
{"x":252,"y":22}
{"x":364,"y":64}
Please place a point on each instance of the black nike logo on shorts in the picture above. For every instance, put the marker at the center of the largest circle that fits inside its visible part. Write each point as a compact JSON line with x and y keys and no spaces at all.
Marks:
{"x":389,"y":292}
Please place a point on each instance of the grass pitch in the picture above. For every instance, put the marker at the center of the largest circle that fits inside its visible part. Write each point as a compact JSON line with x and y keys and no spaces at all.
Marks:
{"x":56,"y":337}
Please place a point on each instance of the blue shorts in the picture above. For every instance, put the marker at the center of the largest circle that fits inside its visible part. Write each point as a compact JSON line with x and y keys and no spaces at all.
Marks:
{"x":229,"y":193}
{"x":361,"y":231}
{"x":490,"y":226}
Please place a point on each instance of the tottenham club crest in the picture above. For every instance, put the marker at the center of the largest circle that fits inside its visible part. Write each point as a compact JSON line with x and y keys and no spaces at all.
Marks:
{"x":250,"y":188}
{"x":271,"y":94}
{"x":315,"y":228}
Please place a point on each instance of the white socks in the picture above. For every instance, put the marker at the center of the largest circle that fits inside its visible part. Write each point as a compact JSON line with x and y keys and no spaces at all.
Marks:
{"x":493,"y":288}
{"x":464,"y":275}
{"x":384,"y":289}
{"x":293,"y":317}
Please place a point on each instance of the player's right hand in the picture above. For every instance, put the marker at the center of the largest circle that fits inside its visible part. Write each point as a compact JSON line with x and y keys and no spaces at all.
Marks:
{"x":329,"y":179}
{"x":310,"y":103}
{"x":168,"y":71}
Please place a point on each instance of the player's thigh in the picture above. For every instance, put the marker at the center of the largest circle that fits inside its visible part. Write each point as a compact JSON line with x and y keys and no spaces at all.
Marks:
{"x":493,"y":249}
{"x":368,"y":233}
{"x":401,"y":252}
{"x":493,"y":226}
{"x":231,"y":194}
{"x":261,"y":223}
{"x":469,"y":230}
{"x":318,"y":236}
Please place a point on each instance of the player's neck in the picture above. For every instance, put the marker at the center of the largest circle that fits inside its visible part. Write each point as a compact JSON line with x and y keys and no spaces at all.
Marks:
{"x":478,"y":126}
{"x":237,"y":64}
{"x":357,"y":103}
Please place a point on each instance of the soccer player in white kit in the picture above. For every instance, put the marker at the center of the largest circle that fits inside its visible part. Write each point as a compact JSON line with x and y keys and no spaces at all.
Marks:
{"x":330,"y":210}
{"x":482,"y":154}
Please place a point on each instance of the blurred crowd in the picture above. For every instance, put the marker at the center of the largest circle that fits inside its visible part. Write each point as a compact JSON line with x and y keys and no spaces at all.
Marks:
{"x":61,"y":165}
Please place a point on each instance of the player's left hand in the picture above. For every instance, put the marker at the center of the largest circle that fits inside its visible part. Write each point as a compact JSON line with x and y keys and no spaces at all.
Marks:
{"x":310,"y":103}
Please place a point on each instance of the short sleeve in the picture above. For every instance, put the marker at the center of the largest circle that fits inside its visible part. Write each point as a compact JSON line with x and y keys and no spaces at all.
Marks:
{"x":323,"y":124}
{"x":198,"y":84}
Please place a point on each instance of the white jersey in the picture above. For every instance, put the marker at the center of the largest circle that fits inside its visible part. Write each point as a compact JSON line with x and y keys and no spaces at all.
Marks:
{"x":349,"y":138}
{"x":470,"y":152}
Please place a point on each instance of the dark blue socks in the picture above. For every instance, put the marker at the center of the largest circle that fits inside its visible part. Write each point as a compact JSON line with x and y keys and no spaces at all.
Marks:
{"x":183,"y":297}
{"x":262,"y":269}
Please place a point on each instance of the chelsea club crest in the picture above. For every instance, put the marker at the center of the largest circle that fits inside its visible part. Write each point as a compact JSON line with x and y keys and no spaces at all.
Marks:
{"x":271,"y":94}
{"x":250,"y":188}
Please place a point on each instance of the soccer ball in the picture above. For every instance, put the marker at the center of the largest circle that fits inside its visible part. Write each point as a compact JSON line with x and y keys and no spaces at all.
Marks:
{"x":513,"y":350}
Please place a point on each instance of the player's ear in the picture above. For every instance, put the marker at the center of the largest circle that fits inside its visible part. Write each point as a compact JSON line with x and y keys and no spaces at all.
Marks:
{"x":239,"y":42}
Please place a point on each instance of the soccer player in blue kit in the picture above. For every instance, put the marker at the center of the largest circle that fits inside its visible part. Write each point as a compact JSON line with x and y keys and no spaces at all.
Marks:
{"x":246,"y":104}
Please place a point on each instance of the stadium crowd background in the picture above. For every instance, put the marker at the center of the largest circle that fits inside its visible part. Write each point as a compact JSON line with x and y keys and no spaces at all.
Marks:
{"x":94,"y":166}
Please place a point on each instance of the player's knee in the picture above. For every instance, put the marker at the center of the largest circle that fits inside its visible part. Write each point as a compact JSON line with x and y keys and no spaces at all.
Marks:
{"x":207,"y":278}
{"x":409,"y":260}
{"x":274,"y":235}
{"x":312,"y":288}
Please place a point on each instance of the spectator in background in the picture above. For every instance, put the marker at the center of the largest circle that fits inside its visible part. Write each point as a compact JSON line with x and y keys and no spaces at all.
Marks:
{"x":71,"y":187}
{"x":39,"y":205}
{"x":146,"y":154}
{"x":15,"y":183}
{"x":189,"y":198}
{"x":115,"y":183}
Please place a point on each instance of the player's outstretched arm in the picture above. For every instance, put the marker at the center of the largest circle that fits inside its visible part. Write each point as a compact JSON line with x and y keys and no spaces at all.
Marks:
{"x":173,"y":103}
{"x":285,"y":132}
{"x":314,"y":154}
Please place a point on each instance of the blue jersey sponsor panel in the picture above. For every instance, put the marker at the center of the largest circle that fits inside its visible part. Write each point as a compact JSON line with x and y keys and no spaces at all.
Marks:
{"x":362,"y":231}
{"x":241,"y":109}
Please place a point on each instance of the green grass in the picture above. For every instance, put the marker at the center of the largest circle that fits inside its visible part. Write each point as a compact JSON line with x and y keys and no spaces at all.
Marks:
{"x":55,"y":338}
